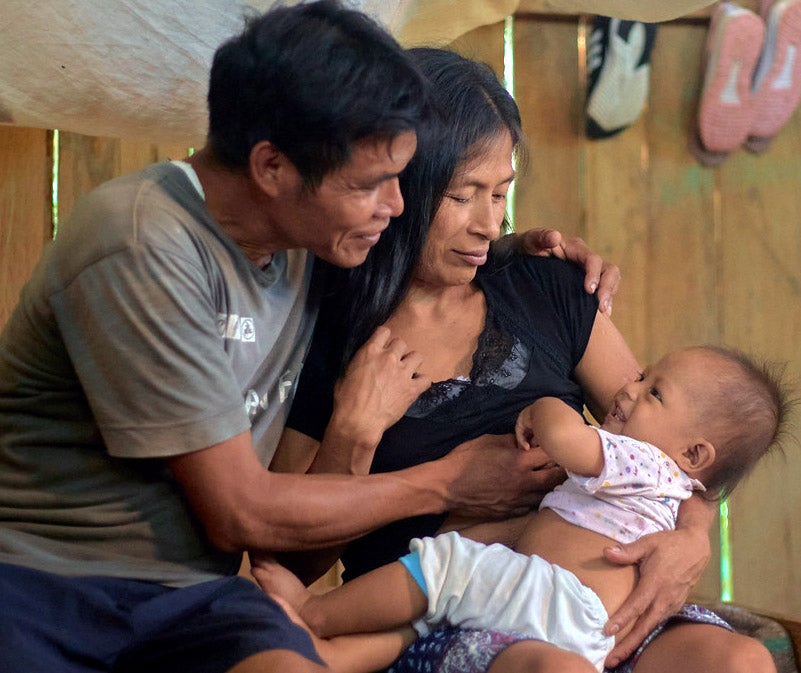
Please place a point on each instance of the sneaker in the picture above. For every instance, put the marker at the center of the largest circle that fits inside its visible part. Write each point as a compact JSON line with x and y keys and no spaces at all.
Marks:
{"x":618,"y":57}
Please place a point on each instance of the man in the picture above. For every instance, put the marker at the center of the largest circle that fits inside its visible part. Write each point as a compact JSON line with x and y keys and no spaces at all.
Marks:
{"x":131,"y":472}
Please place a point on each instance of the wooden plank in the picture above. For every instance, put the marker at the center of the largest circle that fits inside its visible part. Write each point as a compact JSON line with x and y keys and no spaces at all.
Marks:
{"x":85,"y":163}
{"x":682,"y":298}
{"x":167,"y":151}
{"x":548,"y":189}
{"x":483,"y":44}
{"x":572,"y":6}
{"x":88,"y":161}
{"x":136,"y":154}
{"x":761,"y":290}
{"x":25,"y":214}
{"x":617,"y":211}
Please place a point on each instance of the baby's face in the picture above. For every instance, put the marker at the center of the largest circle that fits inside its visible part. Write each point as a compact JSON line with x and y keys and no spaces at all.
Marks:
{"x":661,"y":406}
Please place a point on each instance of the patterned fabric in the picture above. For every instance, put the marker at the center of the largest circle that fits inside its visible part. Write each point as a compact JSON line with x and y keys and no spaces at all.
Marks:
{"x":638,"y":491}
{"x":453,"y":650}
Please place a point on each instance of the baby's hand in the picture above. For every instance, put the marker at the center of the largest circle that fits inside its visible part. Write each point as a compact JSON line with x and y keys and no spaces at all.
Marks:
{"x":524,"y":431}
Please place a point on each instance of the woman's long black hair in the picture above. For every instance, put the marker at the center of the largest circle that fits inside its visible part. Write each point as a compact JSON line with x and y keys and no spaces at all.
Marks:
{"x":471,"y":107}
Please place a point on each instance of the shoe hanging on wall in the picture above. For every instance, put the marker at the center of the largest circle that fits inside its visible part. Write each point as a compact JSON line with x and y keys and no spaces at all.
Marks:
{"x":777,"y":81}
{"x":618,"y":64}
{"x":726,"y":108}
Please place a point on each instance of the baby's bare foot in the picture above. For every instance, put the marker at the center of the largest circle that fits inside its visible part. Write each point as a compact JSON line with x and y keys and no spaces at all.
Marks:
{"x":280,"y":582}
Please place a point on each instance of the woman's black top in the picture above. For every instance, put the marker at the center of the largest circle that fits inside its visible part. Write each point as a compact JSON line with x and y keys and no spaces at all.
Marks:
{"x":538,"y":323}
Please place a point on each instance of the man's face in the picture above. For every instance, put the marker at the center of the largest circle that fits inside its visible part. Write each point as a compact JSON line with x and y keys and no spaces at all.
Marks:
{"x":344,"y":217}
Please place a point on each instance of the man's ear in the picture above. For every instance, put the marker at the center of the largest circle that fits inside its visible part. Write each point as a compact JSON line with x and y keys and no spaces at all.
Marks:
{"x":698,"y":456}
{"x":270,"y":168}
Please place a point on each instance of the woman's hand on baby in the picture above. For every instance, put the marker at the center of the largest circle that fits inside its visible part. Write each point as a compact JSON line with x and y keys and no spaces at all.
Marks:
{"x":670,"y":564}
{"x":599,"y":274}
{"x":380,"y":383}
{"x":491,"y":478}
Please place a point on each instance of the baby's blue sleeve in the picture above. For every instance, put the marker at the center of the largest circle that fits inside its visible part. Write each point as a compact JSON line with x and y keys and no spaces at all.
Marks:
{"x":412,"y":563}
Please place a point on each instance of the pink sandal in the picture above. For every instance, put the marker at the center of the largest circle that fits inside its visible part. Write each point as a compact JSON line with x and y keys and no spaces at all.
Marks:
{"x":726,"y":111}
{"x":777,"y":80}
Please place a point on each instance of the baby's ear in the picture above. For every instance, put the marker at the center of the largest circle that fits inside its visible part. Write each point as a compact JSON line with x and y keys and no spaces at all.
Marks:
{"x":697,"y":456}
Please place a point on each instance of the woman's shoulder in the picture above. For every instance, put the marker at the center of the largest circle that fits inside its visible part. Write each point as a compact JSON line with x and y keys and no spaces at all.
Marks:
{"x":543,"y":273}
{"x":541,"y":294}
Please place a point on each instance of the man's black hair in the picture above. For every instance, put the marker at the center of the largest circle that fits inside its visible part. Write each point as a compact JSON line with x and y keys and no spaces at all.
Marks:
{"x":313,"y":79}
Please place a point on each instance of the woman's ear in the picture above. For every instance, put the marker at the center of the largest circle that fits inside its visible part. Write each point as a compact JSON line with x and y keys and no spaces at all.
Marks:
{"x":697,"y":456}
{"x":269,"y":168}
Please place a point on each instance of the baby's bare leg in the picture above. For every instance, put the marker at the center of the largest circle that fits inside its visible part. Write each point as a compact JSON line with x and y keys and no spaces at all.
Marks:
{"x":381,"y":600}
{"x":356,"y":653}
{"x":364,"y":652}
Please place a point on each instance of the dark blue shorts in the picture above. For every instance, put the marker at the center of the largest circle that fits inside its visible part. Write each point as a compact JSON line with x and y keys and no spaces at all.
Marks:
{"x":70,"y":624}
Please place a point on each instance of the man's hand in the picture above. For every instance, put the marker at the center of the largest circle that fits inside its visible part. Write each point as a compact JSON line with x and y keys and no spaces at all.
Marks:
{"x":670,"y":564}
{"x":381,"y":381}
{"x":493,"y":479}
{"x":600,"y":275}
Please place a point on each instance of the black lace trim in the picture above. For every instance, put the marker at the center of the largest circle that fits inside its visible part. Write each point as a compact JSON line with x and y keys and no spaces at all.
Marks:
{"x":501,"y":359}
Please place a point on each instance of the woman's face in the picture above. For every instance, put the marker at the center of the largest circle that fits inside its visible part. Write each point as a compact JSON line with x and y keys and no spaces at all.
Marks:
{"x":469,"y":217}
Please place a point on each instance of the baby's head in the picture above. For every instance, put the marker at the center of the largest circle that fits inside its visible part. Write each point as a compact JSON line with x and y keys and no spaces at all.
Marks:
{"x":713,"y":410}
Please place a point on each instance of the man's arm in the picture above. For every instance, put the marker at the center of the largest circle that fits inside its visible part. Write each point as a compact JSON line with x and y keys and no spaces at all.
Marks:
{"x":242,"y":505}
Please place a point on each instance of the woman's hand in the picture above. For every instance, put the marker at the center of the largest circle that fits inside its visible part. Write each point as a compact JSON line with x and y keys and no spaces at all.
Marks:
{"x":670,"y":564}
{"x":380,"y":383}
{"x":600,"y":275}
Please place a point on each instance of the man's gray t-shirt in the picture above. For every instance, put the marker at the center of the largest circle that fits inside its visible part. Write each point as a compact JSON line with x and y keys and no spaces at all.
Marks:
{"x":143,"y":333}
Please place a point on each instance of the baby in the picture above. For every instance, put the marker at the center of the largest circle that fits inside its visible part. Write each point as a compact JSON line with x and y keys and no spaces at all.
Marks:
{"x":697,"y":421}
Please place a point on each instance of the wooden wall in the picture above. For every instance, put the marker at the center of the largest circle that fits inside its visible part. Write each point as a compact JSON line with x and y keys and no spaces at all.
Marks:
{"x":27,"y":219}
{"x":708,"y":255}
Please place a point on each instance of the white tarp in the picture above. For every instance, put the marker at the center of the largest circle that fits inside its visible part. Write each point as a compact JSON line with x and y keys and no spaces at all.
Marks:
{"x":138,"y":68}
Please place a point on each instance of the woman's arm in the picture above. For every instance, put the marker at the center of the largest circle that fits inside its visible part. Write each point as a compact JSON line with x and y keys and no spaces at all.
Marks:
{"x":606,"y":366}
{"x":380,"y":383}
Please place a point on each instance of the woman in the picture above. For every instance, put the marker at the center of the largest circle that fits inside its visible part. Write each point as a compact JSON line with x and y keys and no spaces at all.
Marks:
{"x":495,"y":331}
